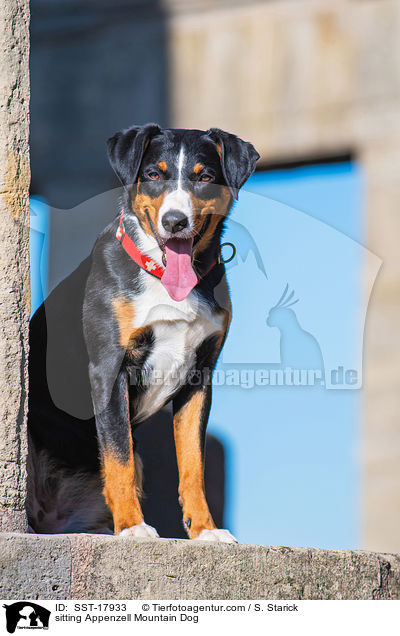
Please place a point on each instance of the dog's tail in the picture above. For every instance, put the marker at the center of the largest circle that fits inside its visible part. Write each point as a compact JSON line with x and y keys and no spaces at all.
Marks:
{"x":61,"y":500}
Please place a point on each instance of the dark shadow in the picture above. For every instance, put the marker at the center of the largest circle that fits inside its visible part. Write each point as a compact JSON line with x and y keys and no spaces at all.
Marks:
{"x":155,"y":445}
{"x":96,"y":67}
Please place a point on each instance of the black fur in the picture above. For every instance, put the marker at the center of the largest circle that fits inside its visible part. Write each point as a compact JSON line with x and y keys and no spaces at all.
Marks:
{"x":238,"y":158}
{"x":80,"y":374}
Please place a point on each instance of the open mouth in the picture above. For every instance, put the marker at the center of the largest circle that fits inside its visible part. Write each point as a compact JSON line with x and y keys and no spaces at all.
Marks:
{"x":179,"y":277}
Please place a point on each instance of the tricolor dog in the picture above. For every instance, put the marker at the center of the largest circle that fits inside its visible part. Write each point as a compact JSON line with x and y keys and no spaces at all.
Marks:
{"x":140,"y":323}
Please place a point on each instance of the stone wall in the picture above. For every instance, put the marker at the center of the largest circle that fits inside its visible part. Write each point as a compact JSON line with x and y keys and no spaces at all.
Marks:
{"x":14,"y":258}
{"x":103,"y":567}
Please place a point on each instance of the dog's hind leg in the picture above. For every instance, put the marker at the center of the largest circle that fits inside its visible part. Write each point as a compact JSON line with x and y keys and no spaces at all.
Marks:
{"x":62,"y":500}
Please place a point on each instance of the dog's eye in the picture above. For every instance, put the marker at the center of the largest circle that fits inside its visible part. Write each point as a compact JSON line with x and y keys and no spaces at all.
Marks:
{"x":205,"y":177}
{"x":154,"y":175}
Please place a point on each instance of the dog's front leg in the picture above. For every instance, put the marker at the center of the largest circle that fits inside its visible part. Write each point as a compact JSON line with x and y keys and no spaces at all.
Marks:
{"x":191,"y":410}
{"x":117,"y":458}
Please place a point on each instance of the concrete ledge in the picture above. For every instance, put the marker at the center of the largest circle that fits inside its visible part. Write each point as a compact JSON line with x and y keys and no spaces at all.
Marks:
{"x":82,"y":566}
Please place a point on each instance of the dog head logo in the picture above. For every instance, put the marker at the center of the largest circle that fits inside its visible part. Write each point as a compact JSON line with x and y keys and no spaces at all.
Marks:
{"x":26,"y":615}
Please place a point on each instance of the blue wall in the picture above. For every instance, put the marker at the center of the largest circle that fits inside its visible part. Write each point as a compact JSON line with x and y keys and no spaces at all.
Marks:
{"x":38,"y":250}
{"x":293,"y":474}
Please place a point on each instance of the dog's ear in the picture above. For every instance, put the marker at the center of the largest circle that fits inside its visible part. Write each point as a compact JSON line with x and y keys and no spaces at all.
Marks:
{"x":238,"y":158}
{"x":126,"y":150}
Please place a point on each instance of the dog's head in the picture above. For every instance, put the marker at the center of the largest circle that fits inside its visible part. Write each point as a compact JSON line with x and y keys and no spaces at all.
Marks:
{"x":181,"y":183}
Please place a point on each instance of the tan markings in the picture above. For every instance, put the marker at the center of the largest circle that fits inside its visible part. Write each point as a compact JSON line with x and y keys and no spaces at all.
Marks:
{"x":143,"y":202}
{"x":125,"y":314}
{"x":187,"y":424}
{"x":219,"y":148}
{"x":133,"y":192}
{"x":120,"y":491}
{"x":162,"y":165}
{"x":129,"y":336}
{"x":198,"y":168}
{"x":201,"y":209}
{"x":217,"y":207}
{"x":208,"y":234}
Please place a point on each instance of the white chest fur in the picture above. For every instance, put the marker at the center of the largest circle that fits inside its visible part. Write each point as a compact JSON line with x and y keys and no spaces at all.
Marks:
{"x":179,"y":328}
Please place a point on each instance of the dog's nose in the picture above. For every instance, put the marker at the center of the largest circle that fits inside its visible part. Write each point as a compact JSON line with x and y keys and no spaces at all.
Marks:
{"x":174,"y":221}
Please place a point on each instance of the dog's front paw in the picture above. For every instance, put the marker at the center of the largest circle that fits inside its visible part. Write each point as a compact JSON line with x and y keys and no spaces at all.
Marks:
{"x":221,"y":536}
{"x":142,"y":531}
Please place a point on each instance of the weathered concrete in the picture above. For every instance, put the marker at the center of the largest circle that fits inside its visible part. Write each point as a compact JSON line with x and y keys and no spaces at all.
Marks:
{"x":34,"y":566}
{"x":14,"y":258}
{"x":104,"y":567}
{"x":297,"y":78}
{"x":381,"y":431}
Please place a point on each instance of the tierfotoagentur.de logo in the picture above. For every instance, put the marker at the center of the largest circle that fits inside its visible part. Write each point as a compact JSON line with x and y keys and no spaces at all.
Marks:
{"x":26,"y":615}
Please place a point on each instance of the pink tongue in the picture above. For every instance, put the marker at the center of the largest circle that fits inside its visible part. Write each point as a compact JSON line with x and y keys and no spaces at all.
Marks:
{"x":179,"y":277}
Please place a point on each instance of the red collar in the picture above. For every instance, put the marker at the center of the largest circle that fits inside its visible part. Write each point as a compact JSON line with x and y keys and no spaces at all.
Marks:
{"x":143,"y":260}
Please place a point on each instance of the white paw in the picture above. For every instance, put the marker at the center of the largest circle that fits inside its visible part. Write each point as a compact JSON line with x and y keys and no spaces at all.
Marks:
{"x":142,"y":530}
{"x":221,"y":536}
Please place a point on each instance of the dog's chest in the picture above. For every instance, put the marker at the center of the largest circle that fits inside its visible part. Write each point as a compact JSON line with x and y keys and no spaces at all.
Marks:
{"x":178,"y":329}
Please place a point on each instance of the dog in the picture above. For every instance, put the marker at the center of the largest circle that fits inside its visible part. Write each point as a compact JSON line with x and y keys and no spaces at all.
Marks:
{"x":139,"y":324}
